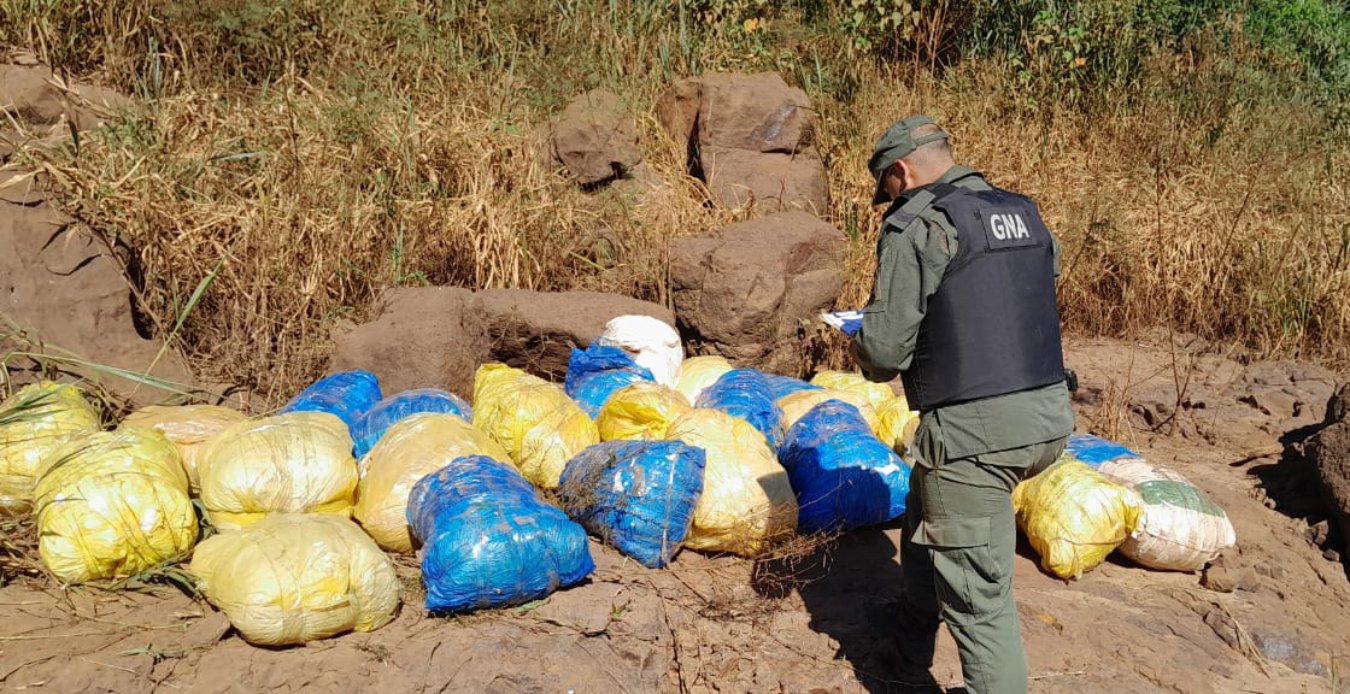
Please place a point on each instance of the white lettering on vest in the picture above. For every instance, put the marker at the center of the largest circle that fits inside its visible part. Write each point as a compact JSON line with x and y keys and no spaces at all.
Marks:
{"x":1009,"y":226}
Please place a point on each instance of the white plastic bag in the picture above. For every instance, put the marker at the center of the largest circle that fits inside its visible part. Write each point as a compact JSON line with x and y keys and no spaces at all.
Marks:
{"x":1180,"y":529}
{"x":651,"y":342}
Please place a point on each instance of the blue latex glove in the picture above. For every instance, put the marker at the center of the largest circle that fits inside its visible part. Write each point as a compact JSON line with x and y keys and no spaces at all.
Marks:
{"x":848,"y":322}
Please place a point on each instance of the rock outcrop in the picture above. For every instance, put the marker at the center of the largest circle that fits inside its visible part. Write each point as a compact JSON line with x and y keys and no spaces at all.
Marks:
{"x":751,"y":138}
{"x":64,"y":293}
{"x":595,"y":139}
{"x":438,"y":336}
{"x":34,"y":95}
{"x":1329,"y":453}
{"x":751,"y":290}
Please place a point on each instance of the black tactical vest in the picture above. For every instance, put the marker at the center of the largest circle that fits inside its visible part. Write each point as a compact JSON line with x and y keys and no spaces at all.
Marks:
{"x":992,"y":327}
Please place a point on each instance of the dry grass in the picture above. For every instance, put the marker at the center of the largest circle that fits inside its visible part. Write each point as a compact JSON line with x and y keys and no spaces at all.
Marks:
{"x":19,"y":548}
{"x":310,"y":225}
{"x":1243,"y":240}
{"x":792,"y":564}
{"x":371,"y":147}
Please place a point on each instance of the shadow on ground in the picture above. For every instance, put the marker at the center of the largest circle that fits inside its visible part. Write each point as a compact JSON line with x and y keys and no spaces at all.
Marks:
{"x":850,"y":587}
{"x":1292,"y":488}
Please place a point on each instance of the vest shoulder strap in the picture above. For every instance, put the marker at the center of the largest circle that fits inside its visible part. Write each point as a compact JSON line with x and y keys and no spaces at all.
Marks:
{"x":901,"y":218}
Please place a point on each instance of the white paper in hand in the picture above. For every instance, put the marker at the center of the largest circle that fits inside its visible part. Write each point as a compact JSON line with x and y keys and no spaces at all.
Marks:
{"x":848,"y":322}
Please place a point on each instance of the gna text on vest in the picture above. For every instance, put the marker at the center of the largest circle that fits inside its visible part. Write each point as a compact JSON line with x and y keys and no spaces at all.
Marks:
{"x":1008,"y":226}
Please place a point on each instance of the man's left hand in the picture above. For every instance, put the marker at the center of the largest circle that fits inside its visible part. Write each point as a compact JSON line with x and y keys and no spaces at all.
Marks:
{"x":848,"y":322}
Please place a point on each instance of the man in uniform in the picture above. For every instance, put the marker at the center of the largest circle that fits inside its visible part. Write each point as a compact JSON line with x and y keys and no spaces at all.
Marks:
{"x":964,"y":310}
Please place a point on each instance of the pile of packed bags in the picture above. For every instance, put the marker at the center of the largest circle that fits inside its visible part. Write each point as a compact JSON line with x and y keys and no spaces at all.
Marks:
{"x":1101,"y":496}
{"x":640,"y":448}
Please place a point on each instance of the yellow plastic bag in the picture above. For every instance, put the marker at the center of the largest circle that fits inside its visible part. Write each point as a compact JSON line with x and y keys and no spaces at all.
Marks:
{"x":876,"y":393}
{"x":697,"y":373}
{"x":298,"y":462}
{"x":187,"y":426}
{"x":896,"y":423}
{"x":34,"y":422}
{"x":796,"y":405}
{"x":532,"y":419}
{"x":288,"y":579}
{"x":113,"y":504}
{"x":747,"y":503}
{"x":1074,"y":516}
{"x":411,"y":449}
{"x":642,"y":411}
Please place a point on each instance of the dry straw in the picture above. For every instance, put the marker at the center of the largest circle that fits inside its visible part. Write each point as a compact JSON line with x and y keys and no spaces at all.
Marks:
{"x":309,"y":166}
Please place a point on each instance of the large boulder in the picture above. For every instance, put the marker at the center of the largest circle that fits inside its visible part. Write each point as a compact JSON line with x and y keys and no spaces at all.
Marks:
{"x":751,"y":290}
{"x":1329,"y":453}
{"x":421,"y":337}
{"x":63,"y":291}
{"x":767,"y":180}
{"x":595,"y":138}
{"x":66,"y":294}
{"x":536,"y":331}
{"x":757,"y":113}
{"x":437,"y":336}
{"x":677,"y":110}
{"x":34,"y":95}
{"x":751,"y":138}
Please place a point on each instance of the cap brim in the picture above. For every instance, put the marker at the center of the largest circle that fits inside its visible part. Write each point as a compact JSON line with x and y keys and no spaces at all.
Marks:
{"x":880,"y":196}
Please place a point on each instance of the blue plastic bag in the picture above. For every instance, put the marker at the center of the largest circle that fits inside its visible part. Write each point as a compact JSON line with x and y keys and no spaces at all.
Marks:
{"x":389,"y":411}
{"x":746,"y":393}
{"x":594,"y":374}
{"x":844,"y":477}
{"x":1093,"y":450}
{"x":347,"y":394}
{"x":780,"y":386}
{"x":637,"y":495}
{"x":489,"y":541}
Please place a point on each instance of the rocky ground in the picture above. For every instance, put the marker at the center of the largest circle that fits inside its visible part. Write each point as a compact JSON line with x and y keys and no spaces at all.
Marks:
{"x":1273,"y":617}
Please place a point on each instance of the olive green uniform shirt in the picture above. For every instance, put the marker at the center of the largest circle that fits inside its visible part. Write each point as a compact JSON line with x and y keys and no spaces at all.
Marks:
{"x":911,"y":263}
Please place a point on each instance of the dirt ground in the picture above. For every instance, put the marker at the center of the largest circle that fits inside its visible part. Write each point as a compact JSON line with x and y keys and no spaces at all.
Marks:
{"x":1278,"y":623}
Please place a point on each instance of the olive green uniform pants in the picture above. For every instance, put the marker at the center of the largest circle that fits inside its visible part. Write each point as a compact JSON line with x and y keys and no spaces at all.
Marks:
{"x":957,"y":546}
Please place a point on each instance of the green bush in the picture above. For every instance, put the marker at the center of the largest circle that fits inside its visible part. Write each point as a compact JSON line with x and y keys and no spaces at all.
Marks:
{"x":1095,"y":52}
{"x":886,"y":26}
{"x":1310,"y":38}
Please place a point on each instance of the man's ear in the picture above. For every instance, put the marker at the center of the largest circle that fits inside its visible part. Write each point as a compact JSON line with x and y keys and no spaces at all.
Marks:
{"x":902,"y":173}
